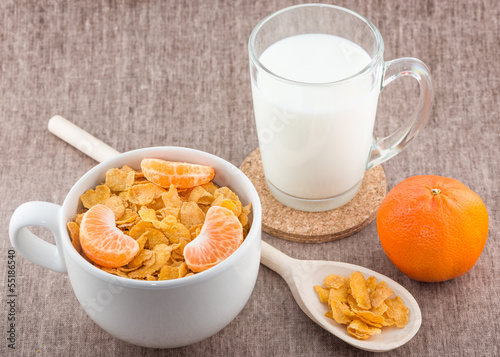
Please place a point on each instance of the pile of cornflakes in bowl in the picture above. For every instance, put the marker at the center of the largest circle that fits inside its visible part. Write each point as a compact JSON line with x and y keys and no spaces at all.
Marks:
{"x":162,"y":220}
{"x":363,"y":305}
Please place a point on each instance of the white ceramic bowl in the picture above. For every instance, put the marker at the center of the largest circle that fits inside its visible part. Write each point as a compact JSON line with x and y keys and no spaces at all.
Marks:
{"x":161,"y":314}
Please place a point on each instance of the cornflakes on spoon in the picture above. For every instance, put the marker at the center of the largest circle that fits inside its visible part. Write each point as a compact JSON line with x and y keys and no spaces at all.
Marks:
{"x":363,"y":305}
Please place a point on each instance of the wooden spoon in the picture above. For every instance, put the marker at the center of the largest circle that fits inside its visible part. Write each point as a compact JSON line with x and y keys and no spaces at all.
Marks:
{"x":302,"y":275}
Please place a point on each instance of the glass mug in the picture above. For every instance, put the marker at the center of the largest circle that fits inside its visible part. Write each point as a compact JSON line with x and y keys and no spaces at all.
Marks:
{"x":317,"y":71}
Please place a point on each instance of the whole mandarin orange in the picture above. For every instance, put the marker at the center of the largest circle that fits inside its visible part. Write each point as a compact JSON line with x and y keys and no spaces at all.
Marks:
{"x":432,"y":228}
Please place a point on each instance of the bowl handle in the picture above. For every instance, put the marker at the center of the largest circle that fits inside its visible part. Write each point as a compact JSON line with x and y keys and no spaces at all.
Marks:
{"x":41,"y":214}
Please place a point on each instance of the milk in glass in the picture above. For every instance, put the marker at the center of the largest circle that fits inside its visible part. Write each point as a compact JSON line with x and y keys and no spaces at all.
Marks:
{"x":315,"y":136}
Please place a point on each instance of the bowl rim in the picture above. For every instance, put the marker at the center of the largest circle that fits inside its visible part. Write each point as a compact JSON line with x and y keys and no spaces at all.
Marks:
{"x":198,"y":157}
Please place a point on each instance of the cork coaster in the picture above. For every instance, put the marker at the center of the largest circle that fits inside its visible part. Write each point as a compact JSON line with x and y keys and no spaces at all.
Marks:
{"x":316,"y":227}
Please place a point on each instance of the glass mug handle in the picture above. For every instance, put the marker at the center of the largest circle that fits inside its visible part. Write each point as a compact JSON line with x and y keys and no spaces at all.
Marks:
{"x":385,"y":148}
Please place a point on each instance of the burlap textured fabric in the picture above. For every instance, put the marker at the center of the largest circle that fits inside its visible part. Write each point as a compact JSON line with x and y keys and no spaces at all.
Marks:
{"x":148,"y":73}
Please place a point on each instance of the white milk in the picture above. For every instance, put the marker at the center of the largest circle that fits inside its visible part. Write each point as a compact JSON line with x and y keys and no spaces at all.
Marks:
{"x":315,"y":140}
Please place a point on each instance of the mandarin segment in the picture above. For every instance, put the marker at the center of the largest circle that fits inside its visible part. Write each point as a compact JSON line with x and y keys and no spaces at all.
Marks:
{"x":102,"y":241}
{"x":180,"y":174}
{"x":220,"y":236}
